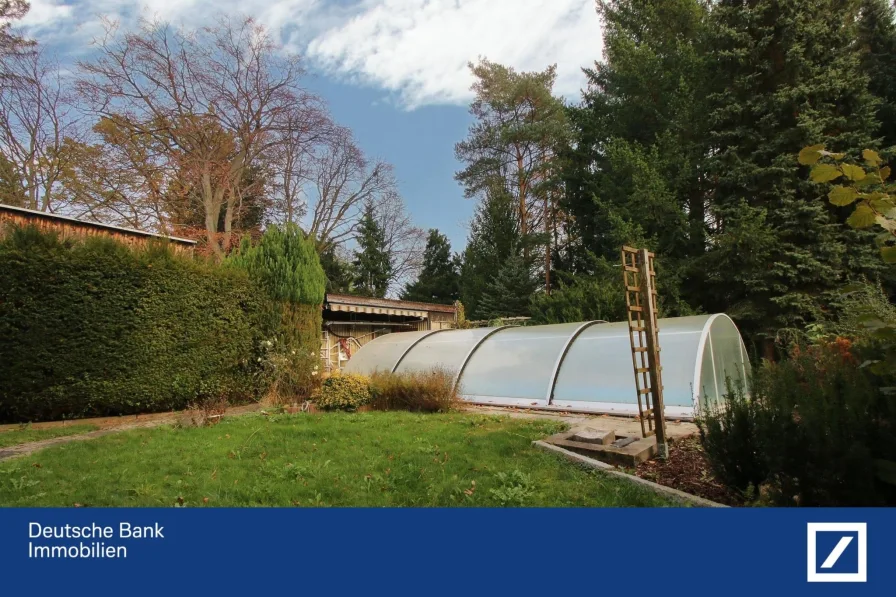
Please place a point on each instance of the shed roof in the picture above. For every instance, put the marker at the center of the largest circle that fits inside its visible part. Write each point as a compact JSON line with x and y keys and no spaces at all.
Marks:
{"x":51,"y":216}
{"x":366,"y":301}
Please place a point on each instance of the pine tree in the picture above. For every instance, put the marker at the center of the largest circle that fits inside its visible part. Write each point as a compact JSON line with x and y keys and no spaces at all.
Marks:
{"x":439,"y":280}
{"x":513,"y":143}
{"x":877,"y":42}
{"x":372,"y":264}
{"x":786,"y":76}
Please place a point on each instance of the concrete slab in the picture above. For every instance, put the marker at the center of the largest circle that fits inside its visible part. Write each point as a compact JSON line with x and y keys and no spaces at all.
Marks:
{"x":623,"y":426}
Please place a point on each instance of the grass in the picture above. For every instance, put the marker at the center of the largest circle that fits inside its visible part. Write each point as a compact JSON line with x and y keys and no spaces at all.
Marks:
{"x":338,"y":459}
{"x":26,"y":434}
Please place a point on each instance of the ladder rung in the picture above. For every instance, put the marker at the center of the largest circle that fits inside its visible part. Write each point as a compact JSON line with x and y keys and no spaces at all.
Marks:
{"x":638,"y":309}
{"x":629,"y":268}
{"x":633,"y":288}
{"x":637,"y":329}
{"x":642,"y":370}
{"x":639,"y":349}
{"x":644,"y":391}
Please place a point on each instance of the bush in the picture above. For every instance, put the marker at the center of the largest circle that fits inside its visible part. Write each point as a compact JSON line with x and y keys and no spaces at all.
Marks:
{"x":728,"y":432}
{"x":429,"y":391}
{"x":286,"y":265}
{"x":95,"y":328}
{"x":817,"y":431}
{"x":343,"y":392}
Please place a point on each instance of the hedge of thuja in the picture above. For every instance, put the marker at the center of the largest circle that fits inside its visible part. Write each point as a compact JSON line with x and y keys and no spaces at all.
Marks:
{"x":94,"y":328}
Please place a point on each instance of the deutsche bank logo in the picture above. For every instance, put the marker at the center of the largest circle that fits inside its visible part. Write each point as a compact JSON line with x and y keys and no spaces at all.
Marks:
{"x":837,"y":551}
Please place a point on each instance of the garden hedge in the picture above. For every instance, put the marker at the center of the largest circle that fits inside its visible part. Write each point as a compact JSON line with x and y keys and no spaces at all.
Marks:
{"x":94,"y":328}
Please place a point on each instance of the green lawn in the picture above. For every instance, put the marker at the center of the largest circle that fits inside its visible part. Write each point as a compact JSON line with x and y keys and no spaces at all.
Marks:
{"x":363,"y":459}
{"x":26,"y":434}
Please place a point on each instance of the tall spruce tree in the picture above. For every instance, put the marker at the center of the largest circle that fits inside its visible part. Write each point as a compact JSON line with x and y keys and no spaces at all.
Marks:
{"x":439,"y":280}
{"x":635,"y":172}
{"x":786,"y":75}
{"x":338,"y":270}
{"x":493,"y":240}
{"x":877,"y":43}
{"x":509,"y":292}
{"x":372,"y":264}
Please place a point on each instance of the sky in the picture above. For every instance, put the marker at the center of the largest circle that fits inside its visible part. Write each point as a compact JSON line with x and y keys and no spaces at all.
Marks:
{"x":394,"y":71}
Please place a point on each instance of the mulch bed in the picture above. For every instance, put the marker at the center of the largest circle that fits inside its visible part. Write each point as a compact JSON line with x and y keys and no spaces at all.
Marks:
{"x":688,"y":470}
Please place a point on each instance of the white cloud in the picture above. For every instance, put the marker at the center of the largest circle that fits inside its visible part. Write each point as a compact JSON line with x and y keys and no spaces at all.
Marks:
{"x":420,"y":49}
{"x":417,"y":50}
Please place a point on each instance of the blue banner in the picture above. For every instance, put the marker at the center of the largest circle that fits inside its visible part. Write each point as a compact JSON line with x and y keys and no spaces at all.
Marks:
{"x":452,"y":552}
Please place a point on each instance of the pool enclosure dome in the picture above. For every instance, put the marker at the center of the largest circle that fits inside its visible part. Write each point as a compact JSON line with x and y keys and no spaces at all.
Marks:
{"x":583,"y":366}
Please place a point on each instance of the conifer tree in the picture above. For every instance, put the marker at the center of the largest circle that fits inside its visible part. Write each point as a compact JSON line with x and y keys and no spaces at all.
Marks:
{"x":372,"y":264}
{"x":494,"y":238}
{"x":787,"y":75}
{"x":338,"y":270}
{"x":285,"y":265}
{"x":877,"y":43}
{"x":634,"y":173}
{"x":509,"y":292}
{"x":439,"y":279}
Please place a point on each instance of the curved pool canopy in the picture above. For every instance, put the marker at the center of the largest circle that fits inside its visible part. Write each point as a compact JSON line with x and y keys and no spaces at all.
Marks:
{"x":571,"y":366}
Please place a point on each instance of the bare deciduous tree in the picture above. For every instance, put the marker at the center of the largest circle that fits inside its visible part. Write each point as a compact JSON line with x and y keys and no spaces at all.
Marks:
{"x":37,"y":118}
{"x":203,"y":105}
{"x":342,"y":182}
{"x":404,"y":241}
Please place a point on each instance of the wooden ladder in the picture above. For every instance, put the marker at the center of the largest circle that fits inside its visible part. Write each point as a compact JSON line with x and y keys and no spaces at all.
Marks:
{"x":639,"y":279}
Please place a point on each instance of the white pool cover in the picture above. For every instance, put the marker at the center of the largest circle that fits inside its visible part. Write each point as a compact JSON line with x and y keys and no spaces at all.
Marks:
{"x":572,"y":366}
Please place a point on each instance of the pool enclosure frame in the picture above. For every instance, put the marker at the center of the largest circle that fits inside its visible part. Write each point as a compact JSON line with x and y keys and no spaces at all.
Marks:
{"x":549,"y":399}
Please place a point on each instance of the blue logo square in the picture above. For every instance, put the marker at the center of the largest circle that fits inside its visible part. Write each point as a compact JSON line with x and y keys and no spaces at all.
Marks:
{"x":848,"y":560}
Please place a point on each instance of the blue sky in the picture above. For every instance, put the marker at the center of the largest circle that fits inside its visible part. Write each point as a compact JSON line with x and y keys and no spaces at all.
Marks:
{"x":394,"y":71}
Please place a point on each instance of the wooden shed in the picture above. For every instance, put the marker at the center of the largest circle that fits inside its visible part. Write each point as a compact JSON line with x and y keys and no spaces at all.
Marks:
{"x":349,"y":322}
{"x":68,"y":227}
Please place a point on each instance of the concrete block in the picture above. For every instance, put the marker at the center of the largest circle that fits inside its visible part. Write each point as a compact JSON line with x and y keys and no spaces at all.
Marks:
{"x":590,"y":435}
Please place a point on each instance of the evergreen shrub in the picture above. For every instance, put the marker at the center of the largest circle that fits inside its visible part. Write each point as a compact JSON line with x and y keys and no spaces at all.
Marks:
{"x":343,"y":392}
{"x":96,"y":328}
{"x":816,"y":430}
{"x":286,"y":265}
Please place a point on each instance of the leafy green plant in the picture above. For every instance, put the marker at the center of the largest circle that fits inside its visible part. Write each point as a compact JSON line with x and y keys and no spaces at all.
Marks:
{"x":815,"y":431}
{"x":427,"y":391}
{"x":343,"y":392}
{"x":516,"y":487}
{"x":867,"y":187}
{"x":728,"y":432}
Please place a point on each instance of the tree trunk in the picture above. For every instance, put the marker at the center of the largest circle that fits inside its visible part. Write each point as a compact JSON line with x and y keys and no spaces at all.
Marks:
{"x":548,"y":221}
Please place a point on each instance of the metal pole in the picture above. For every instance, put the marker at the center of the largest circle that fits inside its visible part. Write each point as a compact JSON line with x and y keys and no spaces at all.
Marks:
{"x":648,"y":301}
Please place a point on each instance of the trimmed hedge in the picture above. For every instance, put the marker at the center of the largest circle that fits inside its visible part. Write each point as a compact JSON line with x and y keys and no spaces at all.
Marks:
{"x":94,"y":328}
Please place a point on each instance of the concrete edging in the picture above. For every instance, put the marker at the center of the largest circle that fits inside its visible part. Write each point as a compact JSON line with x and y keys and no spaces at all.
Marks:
{"x":609,"y":469}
